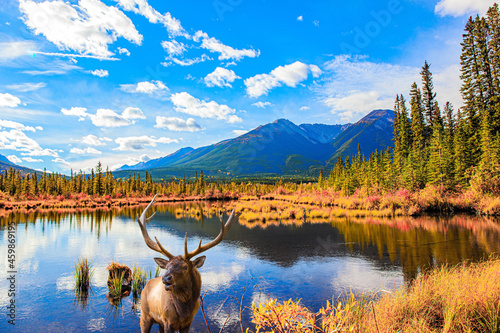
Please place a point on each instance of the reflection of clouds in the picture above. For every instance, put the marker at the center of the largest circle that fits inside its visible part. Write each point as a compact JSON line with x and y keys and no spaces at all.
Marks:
{"x":65,"y":282}
{"x":96,"y":324}
{"x":360,"y":275}
{"x":243,"y":254}
{"x":214,"y":280}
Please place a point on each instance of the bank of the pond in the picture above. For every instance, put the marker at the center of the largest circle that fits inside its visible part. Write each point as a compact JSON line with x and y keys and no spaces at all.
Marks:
{"x":464,"y":298}
{"x":431,"y":199}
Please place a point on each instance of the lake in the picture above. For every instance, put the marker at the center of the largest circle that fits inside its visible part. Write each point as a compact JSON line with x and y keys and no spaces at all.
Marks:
{"x":310,"y":260}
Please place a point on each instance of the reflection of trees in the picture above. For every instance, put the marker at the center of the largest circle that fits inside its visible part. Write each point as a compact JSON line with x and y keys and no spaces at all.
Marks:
{"x":418,"y":244}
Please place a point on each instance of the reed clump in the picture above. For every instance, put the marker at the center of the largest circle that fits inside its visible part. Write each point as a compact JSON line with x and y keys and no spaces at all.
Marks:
{"x":83,"y":274}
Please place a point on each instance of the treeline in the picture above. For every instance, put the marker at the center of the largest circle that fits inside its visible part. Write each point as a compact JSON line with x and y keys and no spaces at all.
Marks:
{"x":101,"y":183}
{"x":438,"y":146}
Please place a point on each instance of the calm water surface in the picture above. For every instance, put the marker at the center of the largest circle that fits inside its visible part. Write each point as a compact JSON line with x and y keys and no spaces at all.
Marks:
{"x":314,"y":261}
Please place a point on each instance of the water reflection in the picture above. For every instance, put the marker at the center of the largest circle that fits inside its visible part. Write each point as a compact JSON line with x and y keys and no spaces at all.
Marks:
{"x":313,"y":258}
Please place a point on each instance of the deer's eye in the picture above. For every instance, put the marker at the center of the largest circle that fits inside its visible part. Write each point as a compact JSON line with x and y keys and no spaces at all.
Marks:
{"x":185,"y":267}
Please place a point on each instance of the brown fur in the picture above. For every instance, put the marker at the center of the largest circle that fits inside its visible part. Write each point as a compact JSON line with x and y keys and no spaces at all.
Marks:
{"x":172,"y":309}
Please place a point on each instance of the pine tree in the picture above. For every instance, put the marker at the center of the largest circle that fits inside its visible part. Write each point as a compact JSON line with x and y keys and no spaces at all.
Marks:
{"x":428,"y":98}
{"x":418,"y":156}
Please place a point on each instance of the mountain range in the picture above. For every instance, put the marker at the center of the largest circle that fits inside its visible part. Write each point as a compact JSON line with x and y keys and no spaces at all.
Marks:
{"x":277,"y":148}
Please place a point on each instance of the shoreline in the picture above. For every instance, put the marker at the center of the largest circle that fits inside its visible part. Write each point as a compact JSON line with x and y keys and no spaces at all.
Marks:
{"x":428,"y":201}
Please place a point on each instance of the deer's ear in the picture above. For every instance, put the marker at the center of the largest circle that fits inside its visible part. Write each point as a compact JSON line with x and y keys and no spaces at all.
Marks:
{"x":198,"y":262}
{"x":161,"y":262}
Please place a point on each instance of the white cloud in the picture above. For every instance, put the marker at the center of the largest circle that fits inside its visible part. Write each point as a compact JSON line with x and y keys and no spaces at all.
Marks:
{"x":122,"y":50}
{"x":87,"y":28}
{"x":27,"y":87}
{"x":142,"y":7}
{"x":232,"y":119}
{"x":290,"y":75}
{"x":140,"y":142}
{"x":226,"y":52}
{"x":262,"y":105}
{"x":81,"y":113}
{"x":42,"y":152}
{"x":177,"y":124}
{"x":106,"y":117}
{"x":354,"y":86}
{"x":304,"y":108}
{"x":100,"y":73}
{"x":240,"y":132}
{"x":173,"y":47}
{"x":185,"y":62}
{"x":14,"y":159}
{"x":60,"y":160}
{"x":17,"y":140}
{"x":188,"y":104}
{"x":15,"y":49}
{"x":9,"y":100}
{"x":144,"y":87}
{"x":16,"y":125}
{"x":300,"y":18}
{"x":39,"y":128}
{"x":92,"y":140}
{"x":86,"y":151}
{"x":32,"y":160}
{"x":462,"y":7}
{"x":221,"y":77}
{"x":53,"y":68}
{"x":133,"y":113}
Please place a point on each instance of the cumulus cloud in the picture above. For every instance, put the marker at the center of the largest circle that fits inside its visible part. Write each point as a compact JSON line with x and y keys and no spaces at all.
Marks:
{"x":140,"y":142}
{"x":142,"y":7}
{"x":81,"y":113}
{"x":304,"y":108}
{"x":86,"y":151}
{"x":300,"y":18}
{"x":221,"y":77}
{"x":226,"y":52}
{"x":100,"y":73}
{"x":14,"y":159}
{"x":178,"y":124}
{"x":60,"y":160}
{"x":462,"y":7}
{"x":173,"y":47}
{"x":240,"y":132}
{"x":188,"y":104}
{"x":32,"y":160}
{"x":145,"y":87}
{"x":289,"y":75}
{"x":27,"y":87}
{"x":262,"y":105}
{"x":93,"y":140}
{"x":17,"y":140}
{"x":87,"y":28}
{"x":107,"y":117}
{"x":9,"y":100}
{"x":122,"y":50}
{"x":16,"y":125}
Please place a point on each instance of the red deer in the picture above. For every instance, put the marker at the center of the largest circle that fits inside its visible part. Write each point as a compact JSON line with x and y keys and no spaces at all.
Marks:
{"x":171,"y":300}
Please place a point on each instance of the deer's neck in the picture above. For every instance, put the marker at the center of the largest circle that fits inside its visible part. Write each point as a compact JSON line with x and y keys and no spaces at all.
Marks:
{"x":185,"y":301}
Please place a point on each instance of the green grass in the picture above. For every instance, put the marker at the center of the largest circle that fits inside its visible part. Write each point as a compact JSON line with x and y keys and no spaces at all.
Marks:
{"x":83,"y":274}
{"x":139,"y":279}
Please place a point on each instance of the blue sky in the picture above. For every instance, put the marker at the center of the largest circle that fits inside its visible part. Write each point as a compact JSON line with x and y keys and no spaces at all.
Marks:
{"x":123,"y":81}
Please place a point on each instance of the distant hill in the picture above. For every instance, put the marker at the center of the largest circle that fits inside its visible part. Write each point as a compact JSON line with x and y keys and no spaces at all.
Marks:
{"x":372,"y":132}
{"x":277,"y":148}
{"x":5,"y":164}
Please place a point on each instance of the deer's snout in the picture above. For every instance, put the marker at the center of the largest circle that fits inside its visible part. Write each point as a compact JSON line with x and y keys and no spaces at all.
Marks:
{"x":167,"y":280}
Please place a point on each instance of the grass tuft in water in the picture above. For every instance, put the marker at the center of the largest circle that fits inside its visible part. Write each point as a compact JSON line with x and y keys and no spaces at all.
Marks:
{"x":139,"y":279}
{"x":83,"y":274}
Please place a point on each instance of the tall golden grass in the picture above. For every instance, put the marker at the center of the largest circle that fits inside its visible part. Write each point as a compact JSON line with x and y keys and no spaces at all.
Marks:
{"x":463,"y":298}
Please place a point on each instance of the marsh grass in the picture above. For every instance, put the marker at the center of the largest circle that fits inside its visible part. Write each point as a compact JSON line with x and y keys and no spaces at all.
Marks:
{"x":83,"y":274}
{"x":116,"y":285}
{"x":139,"y":279}
{"x":463,"y":298}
